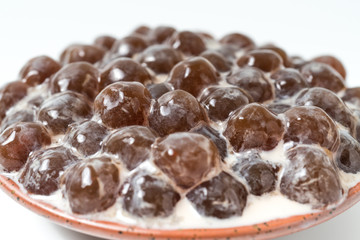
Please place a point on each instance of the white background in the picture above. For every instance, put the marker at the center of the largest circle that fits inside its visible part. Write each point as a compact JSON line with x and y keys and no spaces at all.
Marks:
{"x":307,"y":28}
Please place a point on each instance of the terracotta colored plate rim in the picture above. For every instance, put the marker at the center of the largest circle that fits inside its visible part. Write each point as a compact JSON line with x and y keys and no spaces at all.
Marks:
{"x":111,"y":230}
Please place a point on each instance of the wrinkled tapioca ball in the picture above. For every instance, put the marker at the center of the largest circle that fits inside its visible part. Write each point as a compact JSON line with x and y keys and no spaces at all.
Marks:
{"x":130,"y":144}
{"x":18,"y":141}
{"x":44,"y":168}
{"x":254,"y":82}
{"x":92,"y":185}
{"x":86,"y":136}
{"x":62,"y":109}
{"x":254,"y":126}
{"x":145,"y":195}
{"x":193,"y":75}
{"x":176,"y":111}
{"x":122,"y":104}
{"x":220,"y":197}
{"x":186,"y":158}
{"x":310,"y":177}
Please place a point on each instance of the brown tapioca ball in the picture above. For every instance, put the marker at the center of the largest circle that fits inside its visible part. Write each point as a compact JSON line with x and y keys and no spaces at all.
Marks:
{"x":266,"y":60}
{"x":44,"y":168}
{"x":161,"y":34}
{"x":18,"y":116}
{"x":81,"y":77}
{"x":217,"y":60}
{"x":333,"y":62}
{"x":82,"y":53}
{"x":122,"y":104}
{"x":38,"y":69}
{"x":131,"y":145}
{"x":254,"y":82}
{"x":10,"y":94}
{"x":310,"y":177}
{"x":278,"y":108}
{"x":322,"y":75}
{"x":330,"y":103}
{"x":279,"y":51}
{"x":128,"y":46}
{"x":188,"y":43}
{"x":62,"y":109}
{"x":207,"y":131}
{"x":352,"y":95}
{"x":148,"y":196}
{"x":159,"y":89}
{"x":193,"y":75}
{"x":18,"y":141}
{"x":160,"y":58}
{"x":348,"y":155}
{"x":221,"y":197}
{"x":254,"y":126}
{"x":238,"y":40}
{"x":106,"y":42}
{"x":123,"y":70}
{"x":92,"y":185}
{"x":221,"y":101}
{"x":288,"y":82}
{"x":311,"y":125}
{"x":142,"y":30}
{"x":260,"y":176}
{"x":175,"y":111}
{"x":86,"y":137}
{"x":297,"y":62}
{"x":186,"y":158}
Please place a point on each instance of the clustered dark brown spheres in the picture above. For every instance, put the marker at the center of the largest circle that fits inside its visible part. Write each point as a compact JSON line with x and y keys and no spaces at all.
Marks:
{"x":161,"y":114}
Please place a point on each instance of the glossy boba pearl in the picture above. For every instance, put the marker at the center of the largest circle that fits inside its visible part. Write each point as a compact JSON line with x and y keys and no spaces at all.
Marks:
{"x":188,"y":43}
{"x":186,"y":158}
{"x":79,"y":77}
{"x":217,"y":60}
{"x":175,"y":111}
{"x":145,"y":195}
{"x":279,"y":51}
{"x":86,"y":137}
{"x":333,"y":62}
{"x":352,"y":95}
{"x":161,"y":34}
{"x":348,"y":155}
{"x":330,"y":103}
{"x":82,"y":53}
{"x":254,"y":127}
{"x":38,"y":69}
{"x":193,"y":75}
{"x":266,"y":60}
{"x":322,"y":75}
{"x":92,"y":185}
{"x":122,"y":104}
{"x":44,"y":168}
{"x":18,"y":116}
{"x":10,"y":94}
{"x":159,"y":89}
{"x":221,"y":101}
{"x":62,"y":109}
{"x":254,"y":82}
{"x":238,"y":40}
{"x":18,"y":141}
{"x":131,"y":145}
{"x":105,"y":42}
{"x":310,"y":177}
{"x":311,"y":125}
{"x":128,"y":46}
{"x":221,"y":197}
{"x":288,"y":82}
{"x":123,"y":70}
{"x":160,"y":58}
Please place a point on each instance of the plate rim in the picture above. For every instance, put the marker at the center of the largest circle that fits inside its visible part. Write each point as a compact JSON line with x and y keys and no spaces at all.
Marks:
{"x":113,"y":230}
